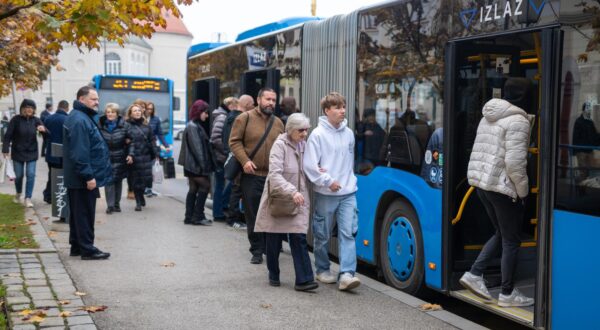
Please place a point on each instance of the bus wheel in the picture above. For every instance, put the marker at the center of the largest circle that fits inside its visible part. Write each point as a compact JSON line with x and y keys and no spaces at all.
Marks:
{"x":401,"y":248}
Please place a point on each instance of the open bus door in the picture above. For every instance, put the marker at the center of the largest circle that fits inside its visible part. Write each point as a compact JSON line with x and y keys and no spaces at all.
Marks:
{"x":254,"y":81}
{"x":208,"y":91}
{"x":476,"y":72}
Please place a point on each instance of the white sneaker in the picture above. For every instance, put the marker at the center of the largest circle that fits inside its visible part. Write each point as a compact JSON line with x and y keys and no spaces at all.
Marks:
{"x":476,"y":285}
{"x":17,"y":199}
{"x":515,"y":299}
{"x":348,"y":282}
{"x":326,"y":277}
{"x":28,"y":202}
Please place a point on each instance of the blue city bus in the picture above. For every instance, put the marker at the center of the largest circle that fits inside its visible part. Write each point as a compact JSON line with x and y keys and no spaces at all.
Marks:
{"x":416,"y":74}
{"x":124,"y":90}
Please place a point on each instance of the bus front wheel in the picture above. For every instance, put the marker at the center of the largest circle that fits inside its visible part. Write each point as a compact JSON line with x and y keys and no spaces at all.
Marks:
{"x":401,"y":248}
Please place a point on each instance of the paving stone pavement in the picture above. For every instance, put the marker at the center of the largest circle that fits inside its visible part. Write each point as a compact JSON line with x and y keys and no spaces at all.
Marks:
{"x":36,"y":279}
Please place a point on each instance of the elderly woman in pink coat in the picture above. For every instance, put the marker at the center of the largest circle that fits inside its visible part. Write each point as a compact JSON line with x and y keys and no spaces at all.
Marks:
{"x":286,"y":179}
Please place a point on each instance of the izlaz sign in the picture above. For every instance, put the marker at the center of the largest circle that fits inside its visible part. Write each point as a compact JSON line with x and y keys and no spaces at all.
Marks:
{"x":499,"y":10}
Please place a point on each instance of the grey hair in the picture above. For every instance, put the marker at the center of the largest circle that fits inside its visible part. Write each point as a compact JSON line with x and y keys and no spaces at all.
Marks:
{"x":112,"y":106}
{"x":296,"y":121}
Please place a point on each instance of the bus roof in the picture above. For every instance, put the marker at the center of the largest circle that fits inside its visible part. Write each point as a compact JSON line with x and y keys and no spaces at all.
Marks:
{"x":275,"y":26}
{"x":204,"y":46}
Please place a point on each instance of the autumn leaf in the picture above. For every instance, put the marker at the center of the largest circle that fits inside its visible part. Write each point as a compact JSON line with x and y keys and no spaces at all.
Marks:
{"x":51,"y":233}
{"x":94,"y":309}
{"x":30,"y":222}
{"x":266,"y":306}
{"x":25,"y":240}
{"x":64,"y":302}
{"x":430,"y":307}
{"x":79,"y":293}
{"x":168,"y":264}
{"x":64,"y":314}
{"x":36,"y":319}
{"x":25,"y":312}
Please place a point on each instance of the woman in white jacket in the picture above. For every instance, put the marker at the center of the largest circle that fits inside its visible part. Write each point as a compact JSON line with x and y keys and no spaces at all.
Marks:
{"x":498,"y":168}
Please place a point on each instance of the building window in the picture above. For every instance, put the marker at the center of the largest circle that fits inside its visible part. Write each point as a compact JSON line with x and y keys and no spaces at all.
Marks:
{"x":113,"y":63}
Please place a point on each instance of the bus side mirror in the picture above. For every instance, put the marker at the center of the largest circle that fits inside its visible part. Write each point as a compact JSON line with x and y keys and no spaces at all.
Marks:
{"x":176,"y":103}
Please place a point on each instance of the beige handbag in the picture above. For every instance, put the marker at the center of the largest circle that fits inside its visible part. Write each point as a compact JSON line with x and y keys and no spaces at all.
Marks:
{"x":283,"y":205}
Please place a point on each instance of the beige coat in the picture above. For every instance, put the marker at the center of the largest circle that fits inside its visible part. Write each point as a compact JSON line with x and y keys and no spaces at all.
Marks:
{"x":283,"y":177}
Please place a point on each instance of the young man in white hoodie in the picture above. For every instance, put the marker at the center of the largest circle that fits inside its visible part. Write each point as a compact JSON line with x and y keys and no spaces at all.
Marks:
{"x":329,"y":165}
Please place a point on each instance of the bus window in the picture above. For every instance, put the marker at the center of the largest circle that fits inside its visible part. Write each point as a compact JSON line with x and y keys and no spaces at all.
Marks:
{"x":578,"y":170}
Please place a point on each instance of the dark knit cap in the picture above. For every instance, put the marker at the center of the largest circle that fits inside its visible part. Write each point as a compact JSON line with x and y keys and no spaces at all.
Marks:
{"x":517,"y":91}
{"x":28,"y":103}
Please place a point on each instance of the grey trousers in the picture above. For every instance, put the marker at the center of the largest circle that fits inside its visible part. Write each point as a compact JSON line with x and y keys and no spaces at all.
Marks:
{"x":113,"y":193}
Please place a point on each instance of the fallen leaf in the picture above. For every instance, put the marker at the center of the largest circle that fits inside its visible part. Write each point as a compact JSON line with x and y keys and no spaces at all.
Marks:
{"x":430,"y":307}
{"x":26,"y":312}
{"x":64,"y":314}
{"x":31,"y":222}
{"x":13,"y":227}
{"x":94,"y":309}
{"x":79,"y":293}
{"x":64,"y":302}
{"x":167,"y":264}
{"x":45,"y":218}
{"x":51,"y":233}
{"x":267,"y":306}
{"x":25,"y":240}
{"x":36,"y":319}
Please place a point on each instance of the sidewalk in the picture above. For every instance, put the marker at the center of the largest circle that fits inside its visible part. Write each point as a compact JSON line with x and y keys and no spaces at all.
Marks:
{"x":166,"y":275}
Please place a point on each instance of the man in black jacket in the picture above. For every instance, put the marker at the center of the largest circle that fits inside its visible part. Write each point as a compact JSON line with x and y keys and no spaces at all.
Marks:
{"x":585,"y":135}
{"x":54,"y":124}
{"x":87,"y":167}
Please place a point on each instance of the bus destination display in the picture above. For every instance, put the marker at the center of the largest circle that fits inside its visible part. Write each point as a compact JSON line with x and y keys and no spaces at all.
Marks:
{"x":134,"y":84}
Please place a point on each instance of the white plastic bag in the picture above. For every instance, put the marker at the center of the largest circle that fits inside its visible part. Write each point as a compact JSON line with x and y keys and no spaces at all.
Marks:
{"x":157,"y":173}
{"x":3,"y":162}
{"x":10,"y":170}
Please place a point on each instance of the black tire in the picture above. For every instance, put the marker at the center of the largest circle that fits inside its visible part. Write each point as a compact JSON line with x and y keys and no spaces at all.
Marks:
{"x":410,"y":282}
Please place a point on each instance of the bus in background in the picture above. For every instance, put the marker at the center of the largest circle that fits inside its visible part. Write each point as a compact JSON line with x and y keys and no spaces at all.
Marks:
{"x":124,"y":90}
{"x":416,"y":75}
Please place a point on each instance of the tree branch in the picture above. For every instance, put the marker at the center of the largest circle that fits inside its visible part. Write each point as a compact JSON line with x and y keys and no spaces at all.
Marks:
{"x":15,"y":10}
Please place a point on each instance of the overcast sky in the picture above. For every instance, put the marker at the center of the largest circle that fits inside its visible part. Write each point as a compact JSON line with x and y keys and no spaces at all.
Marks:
{"x":206,"y":18}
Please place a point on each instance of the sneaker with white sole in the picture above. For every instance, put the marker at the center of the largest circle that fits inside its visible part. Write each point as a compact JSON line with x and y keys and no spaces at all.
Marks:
{"x":515,"y":299}
{"x":17,"y":199}
{"x":28,"y":202}
{"x":348,"y":282}
{"x":326,"y":277}
{"x":476,"y":285}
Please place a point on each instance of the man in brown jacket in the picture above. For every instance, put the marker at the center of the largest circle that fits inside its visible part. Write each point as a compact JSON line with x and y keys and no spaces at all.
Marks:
{"x":247,"y":131}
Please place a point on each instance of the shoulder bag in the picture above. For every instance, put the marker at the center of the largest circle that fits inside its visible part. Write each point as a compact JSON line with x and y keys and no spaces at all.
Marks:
{"x":232,"y":167}
{"x":283,"y":206}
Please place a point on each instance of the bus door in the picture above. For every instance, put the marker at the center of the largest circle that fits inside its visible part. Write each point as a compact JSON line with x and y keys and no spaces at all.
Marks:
{"x":476,"y":72}
{"x":208,"y":91}
{"x":254,"y":81}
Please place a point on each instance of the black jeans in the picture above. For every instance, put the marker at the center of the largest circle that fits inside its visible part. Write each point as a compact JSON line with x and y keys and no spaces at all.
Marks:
{"x":82,"y":205}
{"x":234,"y":213}
{"x":506,"y":216}
{"x":252,"y":189}
{"x":113,"y":193}
{"x":302,"y":266}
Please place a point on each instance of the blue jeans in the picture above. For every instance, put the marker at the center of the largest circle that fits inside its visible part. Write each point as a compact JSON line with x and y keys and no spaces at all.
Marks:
{"x":346,"y":214}
{"x":29,"y":168}
{"x":220,"y":194}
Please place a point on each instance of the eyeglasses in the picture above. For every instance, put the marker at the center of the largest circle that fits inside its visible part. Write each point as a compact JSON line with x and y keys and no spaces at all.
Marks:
{"x":302,"y":130}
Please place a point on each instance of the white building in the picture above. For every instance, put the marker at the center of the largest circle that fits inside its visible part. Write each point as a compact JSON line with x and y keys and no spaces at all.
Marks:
{"x":163,"y":55}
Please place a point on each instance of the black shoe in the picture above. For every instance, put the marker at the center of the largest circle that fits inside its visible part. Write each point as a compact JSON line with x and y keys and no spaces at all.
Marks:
{"x":143,"y":201}
{"x":48,"y":200}
{"x":274,"y":282}
{"x":219,"y":219}
{"x":256,"y":259}
{"x":110,"y":210}
{"x":138,"y":208}
{"x":117,"y":208}
{"x":96,"y":256}
{"x":75,"y":253}
{"x":306,"y":286}
{"x":202,"y":222}
{"x":187,"y":221}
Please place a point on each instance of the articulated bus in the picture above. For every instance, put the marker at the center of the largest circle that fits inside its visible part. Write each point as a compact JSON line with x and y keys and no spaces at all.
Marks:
{"x":124,"y":90}
{"x":416,"y":75}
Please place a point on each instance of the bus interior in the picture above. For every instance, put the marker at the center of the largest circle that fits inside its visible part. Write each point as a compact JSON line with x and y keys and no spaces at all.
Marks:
{"x":482,"y":67}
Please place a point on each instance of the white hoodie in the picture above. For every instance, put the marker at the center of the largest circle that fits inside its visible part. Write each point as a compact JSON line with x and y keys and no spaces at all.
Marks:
{"x":330,"y":149}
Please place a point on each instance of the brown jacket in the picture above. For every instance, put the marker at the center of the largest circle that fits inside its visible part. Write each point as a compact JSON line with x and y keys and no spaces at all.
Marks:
{"x":285,"y":171}
{"x":244,"y":138}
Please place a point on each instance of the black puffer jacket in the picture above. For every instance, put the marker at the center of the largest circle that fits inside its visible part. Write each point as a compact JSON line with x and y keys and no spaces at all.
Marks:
{"x":143,"y":150}
{"x":117,"y":141}
{"x":195,"y":155}
{"x":21,"y":136}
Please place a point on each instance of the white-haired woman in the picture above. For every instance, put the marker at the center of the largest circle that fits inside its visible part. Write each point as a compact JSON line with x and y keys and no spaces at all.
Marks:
{"x":286,"y":180}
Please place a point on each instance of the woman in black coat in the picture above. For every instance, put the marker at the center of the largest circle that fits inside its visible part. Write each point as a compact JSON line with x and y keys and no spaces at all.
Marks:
{"x":115,"y":131}
{"x":196,"y":158}
{"x":144,"y":152}
{"x":20,"y":143}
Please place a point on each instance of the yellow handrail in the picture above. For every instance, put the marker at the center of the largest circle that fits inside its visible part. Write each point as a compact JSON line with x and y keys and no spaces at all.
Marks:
{"x":462,"y":205}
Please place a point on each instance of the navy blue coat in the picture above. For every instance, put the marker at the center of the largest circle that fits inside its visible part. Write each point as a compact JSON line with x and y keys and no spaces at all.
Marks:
{"x":154,"y":123}
{"x":54,"y":124}
{"x":86,"y":154}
